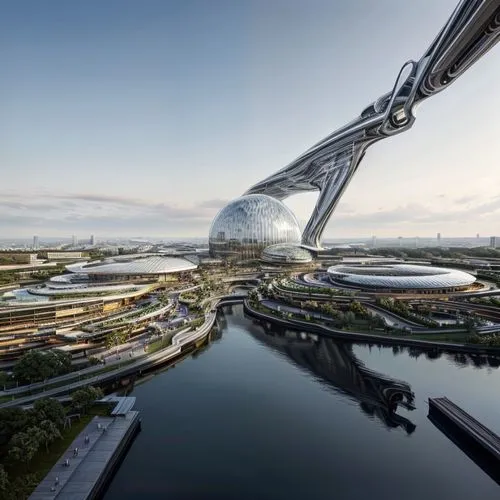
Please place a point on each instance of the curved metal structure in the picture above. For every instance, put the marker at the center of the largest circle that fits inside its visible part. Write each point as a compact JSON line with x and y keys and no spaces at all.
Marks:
{"x":328,"y":167}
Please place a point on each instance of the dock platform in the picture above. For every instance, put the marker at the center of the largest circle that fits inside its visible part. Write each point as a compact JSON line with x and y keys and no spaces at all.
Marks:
{"x":87,"y":465}
{"x":481,"y":444}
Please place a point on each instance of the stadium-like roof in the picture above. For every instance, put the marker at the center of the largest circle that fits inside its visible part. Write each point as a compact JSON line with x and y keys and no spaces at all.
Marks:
{"x":399,"y":276}
{"x":147,"y":265}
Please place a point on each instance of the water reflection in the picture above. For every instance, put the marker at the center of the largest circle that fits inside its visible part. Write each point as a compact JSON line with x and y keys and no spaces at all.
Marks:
{"x":459,"y":359}
{"x":335,"y":364}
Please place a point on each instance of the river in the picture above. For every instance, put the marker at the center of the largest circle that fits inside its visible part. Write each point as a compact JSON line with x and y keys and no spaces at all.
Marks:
{"x":265,"y":413}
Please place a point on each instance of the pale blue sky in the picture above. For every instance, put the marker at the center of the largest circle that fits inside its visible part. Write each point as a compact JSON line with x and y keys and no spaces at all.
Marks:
{"x":124,"y":117}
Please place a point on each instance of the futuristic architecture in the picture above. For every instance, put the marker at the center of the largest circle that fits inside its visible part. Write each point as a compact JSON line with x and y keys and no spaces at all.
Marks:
{"x":328,"y":166}
{"x":157,"y":266}
{"x":400,"y":278}
{"x":284,"y":253}
{"x":244,"y":227}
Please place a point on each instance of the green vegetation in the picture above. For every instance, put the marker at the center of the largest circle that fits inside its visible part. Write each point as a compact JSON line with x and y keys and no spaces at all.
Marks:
{"x":355,"y":316}
{"x":36,"y":366}
{"x":164,"y":341}
{"x":486,"y":340}
{"x":117,"y":338}
{"x":288,"y":285}
{"x":9,"y":277}
{"x":83,"y":399}
{"x":404,"y":310}
{"x":31,"y":441}
{"x":124,"y":321}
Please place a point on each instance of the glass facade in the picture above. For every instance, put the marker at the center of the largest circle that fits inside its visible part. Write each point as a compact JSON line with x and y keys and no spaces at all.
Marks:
{"x":244,"y":227}
{"x":284,"y":253}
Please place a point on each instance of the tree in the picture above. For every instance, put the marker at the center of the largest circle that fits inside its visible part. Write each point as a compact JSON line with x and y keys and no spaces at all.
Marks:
{"x":4,"y":378}
{"x":358,"y":309}
{"x":83,"y":399}
{"x":36,"y":366}
{"x":48,"y":433}
{"x":349,"y":318}
{"x":470,"y":325}
{"x":5,"y":486}
{"x":24,"y":445}
{"x":49,"y":409}
{"x":12,"y":420}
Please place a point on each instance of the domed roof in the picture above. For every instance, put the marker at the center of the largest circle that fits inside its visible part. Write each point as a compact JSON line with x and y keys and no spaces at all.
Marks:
{"x":286,"y":253}
{"x":399,"y":276}
{"x":248,"y":224}
{"x":137,"y":266}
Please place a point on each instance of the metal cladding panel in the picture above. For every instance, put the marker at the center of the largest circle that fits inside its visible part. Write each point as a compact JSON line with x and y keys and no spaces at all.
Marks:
{"x":400,"y":276}
{"x":328,"y":167}
{"x":148,"y":265}
{"x":248,"y":224}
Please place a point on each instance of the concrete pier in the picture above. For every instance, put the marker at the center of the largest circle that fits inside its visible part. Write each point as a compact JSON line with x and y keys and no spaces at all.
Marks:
{"x":477,"y":441}
{"x":84,"y":469}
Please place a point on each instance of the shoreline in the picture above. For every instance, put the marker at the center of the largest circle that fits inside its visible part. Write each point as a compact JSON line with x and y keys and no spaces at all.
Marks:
{"x":368,"y":337}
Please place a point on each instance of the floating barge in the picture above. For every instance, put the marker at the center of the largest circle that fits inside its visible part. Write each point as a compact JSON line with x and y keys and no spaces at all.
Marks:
{"x":477,"y":441}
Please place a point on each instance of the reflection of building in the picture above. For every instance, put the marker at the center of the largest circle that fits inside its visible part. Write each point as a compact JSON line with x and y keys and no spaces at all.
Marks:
{"x":335,"y":363}
{"x":244,"y":227}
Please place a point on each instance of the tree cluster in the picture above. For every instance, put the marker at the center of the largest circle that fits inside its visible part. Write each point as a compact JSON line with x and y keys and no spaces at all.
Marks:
{"x":26,"y":433}
{"x":36,"y":366}
{"x":83,"y":399}
{"x":22,"y":434}
{"x":403,"y":309}
{"x":487,"y":340}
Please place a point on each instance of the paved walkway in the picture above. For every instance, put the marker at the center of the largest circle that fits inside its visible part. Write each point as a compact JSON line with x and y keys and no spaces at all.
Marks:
{"x":98,"y":447}
{"x":113,"y":356}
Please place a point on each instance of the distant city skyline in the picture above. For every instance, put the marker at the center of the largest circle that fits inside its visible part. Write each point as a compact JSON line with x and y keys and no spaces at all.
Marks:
{"x":147,"y":118}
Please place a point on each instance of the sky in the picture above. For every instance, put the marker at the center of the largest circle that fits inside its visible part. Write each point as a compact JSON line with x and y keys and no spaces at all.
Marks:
{"x":144,"y":118}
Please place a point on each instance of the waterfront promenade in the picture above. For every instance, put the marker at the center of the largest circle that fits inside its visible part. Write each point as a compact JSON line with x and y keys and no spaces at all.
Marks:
{"x":354,"y":336}
{"x":180,"y":341}
{"x":83,"y":470}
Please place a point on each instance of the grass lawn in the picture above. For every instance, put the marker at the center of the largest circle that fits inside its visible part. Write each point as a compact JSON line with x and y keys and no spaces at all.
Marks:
{"x":162,"y":343}
{"x":43,"y":461}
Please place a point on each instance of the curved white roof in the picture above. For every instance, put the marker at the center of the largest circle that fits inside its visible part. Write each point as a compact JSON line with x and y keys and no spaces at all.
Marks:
{"x":147,"y":265}
{"x":400,"y":276}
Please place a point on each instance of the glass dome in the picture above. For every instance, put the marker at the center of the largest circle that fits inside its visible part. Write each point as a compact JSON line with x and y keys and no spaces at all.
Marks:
{"x":285,"y":253}
{"x":244,"y":227}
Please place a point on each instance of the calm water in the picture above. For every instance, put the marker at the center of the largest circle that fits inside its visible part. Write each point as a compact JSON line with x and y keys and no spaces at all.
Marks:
{"x":272,"y":414}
